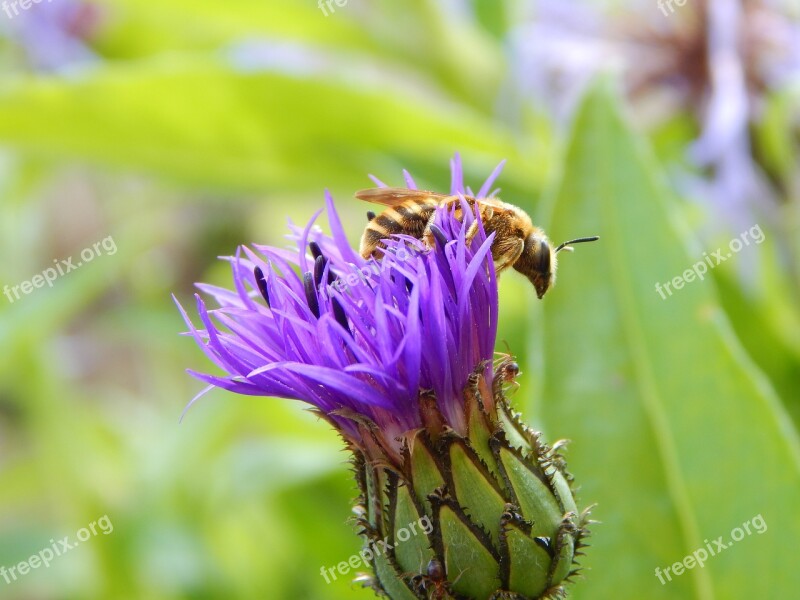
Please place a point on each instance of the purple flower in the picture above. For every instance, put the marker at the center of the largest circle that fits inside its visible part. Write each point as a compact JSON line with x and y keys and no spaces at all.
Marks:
{"x":397,"y":355}
{"x":363,"y":341}
{"x":715,"y":59}
{"x":55,"y":36}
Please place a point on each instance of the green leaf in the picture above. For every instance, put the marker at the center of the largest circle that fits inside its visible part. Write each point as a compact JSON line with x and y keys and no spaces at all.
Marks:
{"x":767,"y":321}
{"x":420,"y":34}
{"x":202,"y":122}
{"x":775,"y":135}
{"x":676,"y":435}
{"x":139,"y":27}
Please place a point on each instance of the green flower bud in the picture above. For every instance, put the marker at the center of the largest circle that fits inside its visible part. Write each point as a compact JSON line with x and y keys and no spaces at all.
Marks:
{"x":489,"y":515}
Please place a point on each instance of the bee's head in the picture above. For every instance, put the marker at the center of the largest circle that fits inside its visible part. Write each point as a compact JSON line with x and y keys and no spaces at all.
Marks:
{"x":538,"y":260}
{"x":538,"y":263}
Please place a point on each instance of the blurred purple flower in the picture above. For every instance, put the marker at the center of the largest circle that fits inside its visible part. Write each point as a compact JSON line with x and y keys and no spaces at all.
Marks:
{"x":54,"y":35}
{"x":362,"y":341}
{"x":716,"y":59}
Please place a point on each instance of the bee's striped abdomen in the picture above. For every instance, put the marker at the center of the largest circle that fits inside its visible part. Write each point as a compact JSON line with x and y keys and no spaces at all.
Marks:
{"x":409,"y":218}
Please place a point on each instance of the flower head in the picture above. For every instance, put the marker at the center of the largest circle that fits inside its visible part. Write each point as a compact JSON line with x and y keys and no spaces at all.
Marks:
{"x":397,"y":355}
{"x":353,"y":337}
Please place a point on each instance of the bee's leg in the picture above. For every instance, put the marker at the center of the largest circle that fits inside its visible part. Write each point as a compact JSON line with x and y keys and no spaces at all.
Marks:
{"x":473,"y":229}
{"x":487,"y":213}
{"x":506,"y":254}
{"x":364,"y":248}
{"x":428,"y":236}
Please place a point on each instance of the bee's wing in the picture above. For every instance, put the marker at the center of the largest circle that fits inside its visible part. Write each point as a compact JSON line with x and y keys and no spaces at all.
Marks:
{"x":390,"y":196}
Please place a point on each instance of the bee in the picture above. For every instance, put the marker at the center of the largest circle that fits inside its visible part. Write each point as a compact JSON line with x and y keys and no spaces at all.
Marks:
{"x":518,"y":243}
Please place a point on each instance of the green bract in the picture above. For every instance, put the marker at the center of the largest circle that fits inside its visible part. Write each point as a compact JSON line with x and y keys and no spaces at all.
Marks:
{"x":501,"y":517}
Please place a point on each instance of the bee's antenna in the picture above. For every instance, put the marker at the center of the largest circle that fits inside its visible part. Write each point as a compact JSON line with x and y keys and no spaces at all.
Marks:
{"x":565,"y":245}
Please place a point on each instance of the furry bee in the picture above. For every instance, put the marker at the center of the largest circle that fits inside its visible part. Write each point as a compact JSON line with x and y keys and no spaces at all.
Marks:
{"x":518,"y":243}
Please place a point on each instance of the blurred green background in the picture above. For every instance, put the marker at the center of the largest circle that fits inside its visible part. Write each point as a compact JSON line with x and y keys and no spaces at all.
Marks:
{"x":181,"y":129}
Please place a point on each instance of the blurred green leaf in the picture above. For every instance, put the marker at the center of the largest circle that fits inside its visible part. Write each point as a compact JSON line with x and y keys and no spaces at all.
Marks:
{"x":199,"y":121}
{"x":776,"y":134}
{"x":766,"y":321}
{"x":421,"y":34}
{"x":676,"y":435}
{"x":139,"y":28}
{"x":493,"y":15}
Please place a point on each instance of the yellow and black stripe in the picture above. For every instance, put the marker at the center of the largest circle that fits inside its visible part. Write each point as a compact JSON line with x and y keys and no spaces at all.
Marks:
{"x":409,"y":218}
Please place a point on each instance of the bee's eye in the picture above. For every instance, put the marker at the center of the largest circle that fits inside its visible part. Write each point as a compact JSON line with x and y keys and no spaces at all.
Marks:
{"x":542,"y":258}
